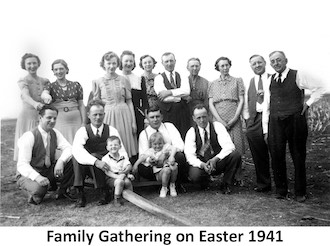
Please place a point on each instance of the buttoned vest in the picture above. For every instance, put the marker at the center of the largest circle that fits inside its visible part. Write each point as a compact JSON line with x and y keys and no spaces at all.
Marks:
{"x":39,"y":151}
{"x":95,"y":144}
{"x":213,"y":141}
{"x":286,"y":98}
{"x":167,"y":106}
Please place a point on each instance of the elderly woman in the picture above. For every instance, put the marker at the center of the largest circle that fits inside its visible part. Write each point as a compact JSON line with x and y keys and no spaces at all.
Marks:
{"x":139,"y":96}
{"x":115,"y":91}
{"x":67,"y":97}
{"x":31,"y":88}
{"x":148,"y":63}
{"x":226,"y":99}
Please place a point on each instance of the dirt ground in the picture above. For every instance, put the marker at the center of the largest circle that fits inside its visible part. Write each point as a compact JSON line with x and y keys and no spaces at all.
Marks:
{"x":209,"y":208}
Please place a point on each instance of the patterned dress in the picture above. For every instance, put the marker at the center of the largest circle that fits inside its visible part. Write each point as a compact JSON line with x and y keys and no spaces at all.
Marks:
{"x":225,"y":93}
{"x":69,"y":119}
{"x":114,"y":92}
{"x":28,"y":117}
{"x":151,"y":94}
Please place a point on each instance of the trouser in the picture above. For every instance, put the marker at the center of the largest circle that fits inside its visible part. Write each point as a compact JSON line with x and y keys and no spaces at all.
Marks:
{"x":292,"y":129}
{"x":81,"y":171}
{"x":259,"y":151}
{"x":228,"y":166}
{"x":38,"y":192}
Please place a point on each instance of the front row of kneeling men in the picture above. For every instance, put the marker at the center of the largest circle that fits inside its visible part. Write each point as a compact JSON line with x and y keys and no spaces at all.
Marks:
{"x":97,"y":152}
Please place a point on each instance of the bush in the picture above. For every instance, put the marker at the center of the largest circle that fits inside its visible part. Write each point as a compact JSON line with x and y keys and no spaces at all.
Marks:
{"x":319,"y":116}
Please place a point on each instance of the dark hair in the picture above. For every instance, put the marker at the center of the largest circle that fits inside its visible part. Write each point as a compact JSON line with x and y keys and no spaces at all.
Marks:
{"x":61,"y":61}
{"x":95,"y":102}
{"x":145,"y":56}
{"x":26,"y":56}
{"x":153,"y":108}
{"x":155,"y":136}
{"x":107,"y":56}
{"x":199,"y":106}
{"x":222,"y":58}
{"x":257,"y":56}
{"x":112,"y":138}
{"x":45,"y":107}
{"x":129,"y":53}
{"x":278,"y":51}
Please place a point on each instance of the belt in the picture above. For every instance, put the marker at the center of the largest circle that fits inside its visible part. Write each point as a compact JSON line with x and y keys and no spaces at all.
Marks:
{"x":67,"y":109}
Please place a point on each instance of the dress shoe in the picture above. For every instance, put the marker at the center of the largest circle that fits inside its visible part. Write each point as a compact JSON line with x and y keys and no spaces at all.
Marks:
{"x":301,"y":198}
{"x":62,"y":194}
{"x":81,"y":201}
{"x":118,"y":202}
{"x":33,"y":200}
{"x":105,"y":199}
{"x":265,"y":189}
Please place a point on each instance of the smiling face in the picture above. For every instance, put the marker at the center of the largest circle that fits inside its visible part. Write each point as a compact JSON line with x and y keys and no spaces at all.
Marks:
{"x":111,"y":65}
{"x":193,"y":67}
{"x":168,"y":62}
{"x":113,"y":146}
{"x":48,"y":120}
{"x":278,"y":61}
{"x":258,"y":65}
{"x":31,"y":65}
{"x":157,"y":145}
{"x":224,"y":67}
{"x":59,"y":71}
{"x":128,"y":63}
{"x":148,"y":64}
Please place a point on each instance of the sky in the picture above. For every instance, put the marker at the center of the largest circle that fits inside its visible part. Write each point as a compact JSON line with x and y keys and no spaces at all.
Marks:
{"x":80,"y":32}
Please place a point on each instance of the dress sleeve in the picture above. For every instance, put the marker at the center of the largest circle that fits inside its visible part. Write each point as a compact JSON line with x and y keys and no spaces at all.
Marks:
{"x":240,"y":86}
{"x":22,"y":84}
{"x":79,"y":90}
{"x":96,"y":91}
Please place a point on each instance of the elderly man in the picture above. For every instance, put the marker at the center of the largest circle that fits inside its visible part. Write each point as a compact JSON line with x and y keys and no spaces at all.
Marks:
{"x":198,"y":86}
{"x":89,"y":146}
{"x":171,"y":91}
{"x":210,"y":151}
{"x":37,"y":168}
{"x":172,"y":136}
{"x":253,"y":107}
{"x":286,"y":112}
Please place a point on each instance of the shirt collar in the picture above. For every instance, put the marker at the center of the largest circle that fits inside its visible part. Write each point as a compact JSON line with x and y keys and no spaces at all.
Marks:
{"x":94,"y":129}
{"x":42,"y":131}
{"x":207,"y":128}
{"x":117,"y":160}
{"x":283,"y":74}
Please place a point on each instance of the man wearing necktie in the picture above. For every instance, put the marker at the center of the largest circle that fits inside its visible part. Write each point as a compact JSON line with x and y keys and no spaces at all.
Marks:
{"x":88,"y":148}
{"x":171,"y":91}
{"x":252,"y":113}
{"x":210,"y":151}
{"x":286,"y":112}
{"x":37,"y":168}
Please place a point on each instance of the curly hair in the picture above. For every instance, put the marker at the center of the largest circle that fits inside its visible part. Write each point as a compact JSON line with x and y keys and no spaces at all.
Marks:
{"x":26,"y":56}
{"x":222,"y":58}
{"x":107,"y":56}
{"x":145,"y":56}
{"x":61,"y":61}
{"x":129,"y":53}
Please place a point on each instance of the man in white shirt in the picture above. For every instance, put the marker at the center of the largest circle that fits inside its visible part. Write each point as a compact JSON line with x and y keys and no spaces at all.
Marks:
{"x":210,"y":151}
{"x":286,"y":115}
{"x":89,"y":146}
{"x":171,"y":91}
{"x":252,"y":113}
{"x":171,"y":136}
{"x":37,"y":168}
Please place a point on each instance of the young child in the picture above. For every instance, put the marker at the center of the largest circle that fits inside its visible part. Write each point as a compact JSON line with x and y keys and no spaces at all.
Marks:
{"x":119,"y":175}
{"x":161,"y":157}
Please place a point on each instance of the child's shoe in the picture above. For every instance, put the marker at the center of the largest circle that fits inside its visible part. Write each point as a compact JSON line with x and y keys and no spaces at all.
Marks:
{"x":172,"y":190}
{"x":163,"y":192}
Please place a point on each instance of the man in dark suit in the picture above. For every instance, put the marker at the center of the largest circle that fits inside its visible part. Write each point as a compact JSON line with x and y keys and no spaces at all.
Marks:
{"x":287,"y":111}
{"x":171,"y":91}
{"x":253,"y":107}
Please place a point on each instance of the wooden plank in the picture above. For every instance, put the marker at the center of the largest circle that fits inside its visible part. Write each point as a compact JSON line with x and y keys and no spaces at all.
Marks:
{"x":154,"y":208}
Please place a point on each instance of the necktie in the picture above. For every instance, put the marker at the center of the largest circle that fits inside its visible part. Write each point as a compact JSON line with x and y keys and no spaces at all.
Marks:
{"x":206,"y":137}
{"x":172,"y":80}
{"x":47,"y":159}
{"x":97,"y":133}
{"x":279,"y":80}
{"x":260,"y":96}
